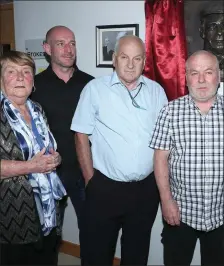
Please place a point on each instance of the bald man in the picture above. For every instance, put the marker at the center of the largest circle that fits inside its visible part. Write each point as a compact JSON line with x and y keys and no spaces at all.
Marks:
{"x":117,"y":114}
{"x":188,"y":142}
{"x":58,"y":90}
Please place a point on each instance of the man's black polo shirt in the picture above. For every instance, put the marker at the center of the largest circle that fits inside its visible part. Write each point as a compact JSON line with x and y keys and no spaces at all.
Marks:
{"x":59,"y":101}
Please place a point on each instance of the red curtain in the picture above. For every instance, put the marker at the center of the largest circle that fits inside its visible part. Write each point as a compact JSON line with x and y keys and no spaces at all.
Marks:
{"x":165,"y":41}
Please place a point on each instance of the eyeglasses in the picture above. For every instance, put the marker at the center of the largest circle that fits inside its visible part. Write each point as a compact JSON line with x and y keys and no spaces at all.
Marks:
{"x":134,"y":103}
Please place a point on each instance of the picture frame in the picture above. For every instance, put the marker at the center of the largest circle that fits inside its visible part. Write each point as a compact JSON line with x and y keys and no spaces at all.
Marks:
{"x":106,"y":37}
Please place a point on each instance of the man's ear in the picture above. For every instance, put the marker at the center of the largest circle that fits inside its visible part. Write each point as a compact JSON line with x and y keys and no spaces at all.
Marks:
{"x":47,"y":48}
{"x":114,"y":59}
{"x":144,"y":62}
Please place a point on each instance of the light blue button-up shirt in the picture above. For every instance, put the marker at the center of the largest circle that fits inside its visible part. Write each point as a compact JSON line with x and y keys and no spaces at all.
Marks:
{"x":118,"y":131}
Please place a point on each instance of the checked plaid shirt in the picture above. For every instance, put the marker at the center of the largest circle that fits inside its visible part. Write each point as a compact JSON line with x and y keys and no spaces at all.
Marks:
{"x":196,"y":159}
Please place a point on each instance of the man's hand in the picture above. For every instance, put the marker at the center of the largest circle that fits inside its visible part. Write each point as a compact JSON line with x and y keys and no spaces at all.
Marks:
{"x":84,"y":156}
{"x":87,"y":179}
{"x":171,"y":212}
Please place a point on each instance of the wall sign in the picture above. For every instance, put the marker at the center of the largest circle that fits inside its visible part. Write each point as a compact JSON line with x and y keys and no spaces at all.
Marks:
{"x":34,"y":48}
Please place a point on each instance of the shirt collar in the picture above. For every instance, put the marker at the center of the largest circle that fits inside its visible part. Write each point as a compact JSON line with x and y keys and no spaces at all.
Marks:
{"x":192,"y":104}
{"x":115,"y":80}
{"x":53,"y":74}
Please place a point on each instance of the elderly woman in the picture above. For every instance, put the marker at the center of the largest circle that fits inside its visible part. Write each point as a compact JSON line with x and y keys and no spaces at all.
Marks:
{"x":29,"y":186}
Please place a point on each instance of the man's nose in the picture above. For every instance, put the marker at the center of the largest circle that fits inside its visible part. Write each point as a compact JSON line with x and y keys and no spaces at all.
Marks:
{"x":201,"y":78}
{"x":220,"y":31}
{"x":67,"y":48}
{"x":130,"y":64}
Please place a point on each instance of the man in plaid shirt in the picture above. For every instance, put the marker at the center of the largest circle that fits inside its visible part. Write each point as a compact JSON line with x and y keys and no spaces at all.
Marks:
{"x":189,"y":156}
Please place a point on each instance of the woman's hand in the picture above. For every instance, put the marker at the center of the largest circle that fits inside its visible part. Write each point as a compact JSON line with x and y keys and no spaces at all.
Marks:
{"x":42,"y":163}
{"x":57,"y":156}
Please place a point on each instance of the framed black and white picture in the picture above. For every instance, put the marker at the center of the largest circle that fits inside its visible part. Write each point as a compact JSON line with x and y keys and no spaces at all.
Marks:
{"x":106,"y":37}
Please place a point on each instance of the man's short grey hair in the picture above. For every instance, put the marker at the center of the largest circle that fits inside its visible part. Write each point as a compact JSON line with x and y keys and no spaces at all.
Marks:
{"x":118,"y":41}
{"x":202,"y":52}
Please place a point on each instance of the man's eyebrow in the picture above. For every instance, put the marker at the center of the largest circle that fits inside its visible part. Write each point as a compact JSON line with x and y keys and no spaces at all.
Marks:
{"x":122,"y":53}
{"x":210,"y":68}
{"x":195,"y":70}
{"x":139,"y":55}
{"x":61,"y":40}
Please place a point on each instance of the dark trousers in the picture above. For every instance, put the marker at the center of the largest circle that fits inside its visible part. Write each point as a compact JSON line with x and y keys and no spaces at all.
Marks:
{"x":110,"y":206}
{"x":179,"y":245}
{"x":76,"y":192}
{"x":43,"y":252}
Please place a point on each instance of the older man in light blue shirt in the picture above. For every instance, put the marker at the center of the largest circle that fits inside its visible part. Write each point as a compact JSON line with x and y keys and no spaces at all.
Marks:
{"x":119,"y":132}
{"x":117,"y":113}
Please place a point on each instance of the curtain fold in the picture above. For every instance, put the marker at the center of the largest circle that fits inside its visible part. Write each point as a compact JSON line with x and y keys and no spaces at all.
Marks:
{"x":149,"y":17}
{"x":166,"y":51}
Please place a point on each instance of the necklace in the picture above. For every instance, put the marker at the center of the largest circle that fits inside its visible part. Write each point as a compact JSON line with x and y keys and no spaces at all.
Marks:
{"x":134,"y":103}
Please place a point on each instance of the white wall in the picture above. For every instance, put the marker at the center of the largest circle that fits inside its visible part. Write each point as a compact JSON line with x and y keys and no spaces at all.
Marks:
{"x":34,"y":18}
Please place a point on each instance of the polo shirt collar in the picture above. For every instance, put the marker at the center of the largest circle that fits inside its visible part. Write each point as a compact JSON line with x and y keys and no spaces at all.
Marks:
{"x":52,"y":73}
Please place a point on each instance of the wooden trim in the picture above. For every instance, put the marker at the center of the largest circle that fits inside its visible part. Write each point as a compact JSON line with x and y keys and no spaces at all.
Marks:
{"x":70,"y":249}
{"x":74,"y":250}
{"x":6,"y":6}
{"x":12,"y":44}
{"x":5,"y":38}
{"x":117,"y":261}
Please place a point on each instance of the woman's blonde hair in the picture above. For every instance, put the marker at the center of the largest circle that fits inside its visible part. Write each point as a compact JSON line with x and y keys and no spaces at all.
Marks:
{"x":17,"y":57}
